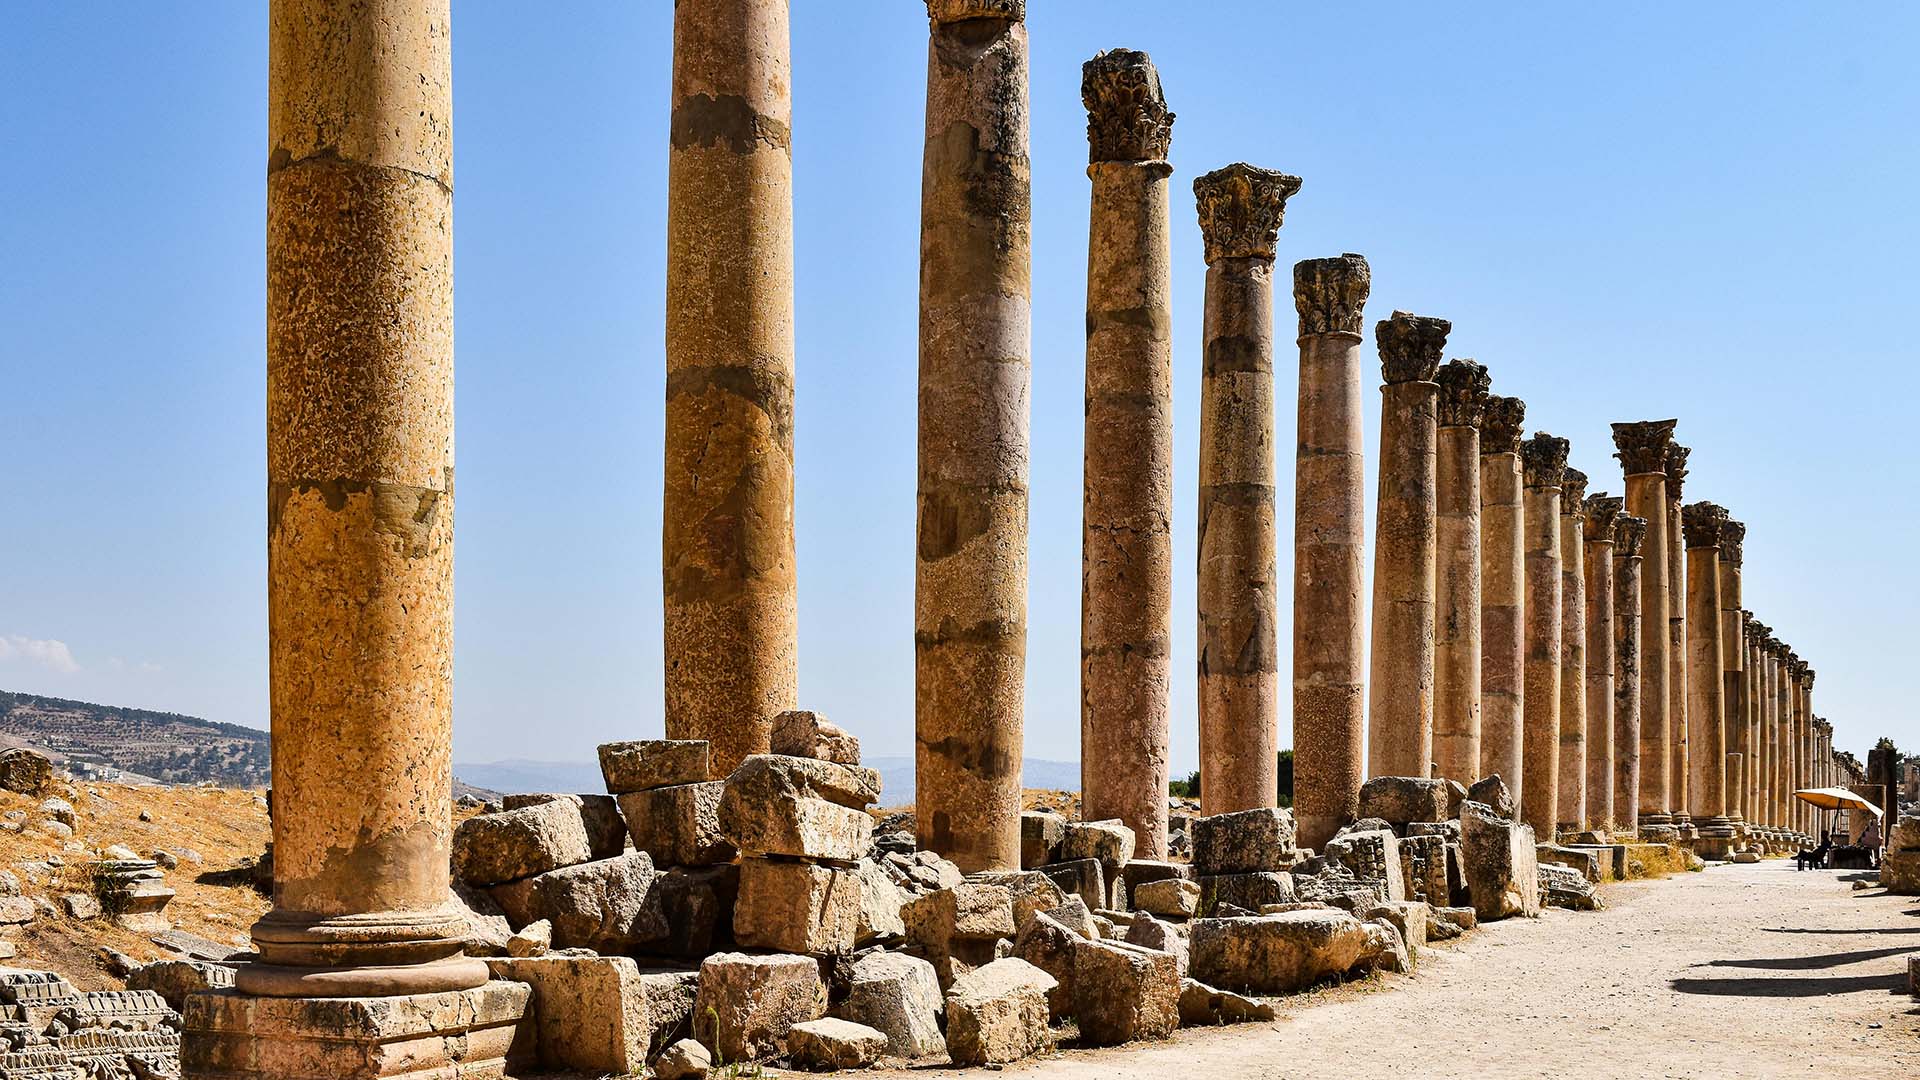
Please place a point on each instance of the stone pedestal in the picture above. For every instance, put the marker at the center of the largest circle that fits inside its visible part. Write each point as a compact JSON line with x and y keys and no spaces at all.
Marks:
{"x":1329,"y":728}
{"x":474,"y":1034}
{"x":1400,"y":685}
{"x":1597,"y":527}
{"x":970,"y":589}
{"x":728,"y":587}
{"x":1572,"y":800}
{"x":1240,"y":211}
{"x":1703,"y":522}
{"x":1629,"y":534}
{"x":1680,"y":769}
{"x":1502,"y":591}
{"x":1126,"y":598}
{"x":1642,"y":450}
{"x":1456,"y":628}
{"x":1544,"y":458}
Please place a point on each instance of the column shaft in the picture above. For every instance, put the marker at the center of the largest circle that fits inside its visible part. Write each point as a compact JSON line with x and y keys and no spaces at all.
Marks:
{"x":1643,"y":452}
{"x":1572,"y":800}
{"x":1733,"y":646}
{"x":1680,"y":772}
{"x":1502,"y":592}
{"x":970,"y":591}
{"x":1544,"y":458}
{"x":1597,"y":527}
{"x":1705,"y":666}
{"x":1628,"y":565}
{"x":1456,"y":644}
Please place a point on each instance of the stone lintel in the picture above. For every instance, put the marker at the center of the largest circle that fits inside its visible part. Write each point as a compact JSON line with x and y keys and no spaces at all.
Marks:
{"x":1241,"y":210}
{"x":1603,"y":512}
{"x":1544,"y":460}
{"x":1641,"y":445}
{"x":1127,"y":114}
{"x":1503,"y":425}
{"x":1629,"y":535}
{"x":1410,"y":346}
{"x":1701,"y":523}
{"x":1464,"y":387}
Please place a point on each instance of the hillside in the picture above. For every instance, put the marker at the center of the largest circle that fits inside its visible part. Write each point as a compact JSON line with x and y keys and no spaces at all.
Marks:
{"x":113,"y":741}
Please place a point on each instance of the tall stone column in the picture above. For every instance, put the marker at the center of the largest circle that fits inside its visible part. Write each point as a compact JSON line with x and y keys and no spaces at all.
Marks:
{"x":1571,"y":803}
{"x":731,"y":628}
{"x":1733,"y":643}
{"x":1328,"y":549}
{"x":1456,"y":629}
{"x":1126,"y":600}
{"x":1597,"y":529}
{"x":970,"y":591}
{"x":1241,"y":209}
{"x":1544,"y":458}
{"x":1781,"y":718}
{"x":1642,"y":450}
{"x":1770,"y":725}
{"x":1759,"y":810}
{"x":1400,"y":689}
{"x":1706,"y":666}
{"x":1803,"y":730}
{"x":1629,"y":534}
{"x":1502,"y":591}
{"x":1679,"y":765}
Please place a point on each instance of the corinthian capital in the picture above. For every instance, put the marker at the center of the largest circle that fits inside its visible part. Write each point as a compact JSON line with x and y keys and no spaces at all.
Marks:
{"x":1463,"y":393}
{"x":1544,"y":460}
{"x":1241,"y":209}
{"x":1629,"y":534}
{"x":1676,"y":469}
{"x":1806,"y":672}
{"x":1127,"y":116}
{"x":1602,"y":511}
{"x":1500,"y":432}
{"x":1573,"y":493}
{"x":1641,"y":445}
{"x":1410,"y":346}
{"x":1701,"y":523}
{"x":1330,"y":293}
{"x":953,"y":11}
{"x":1733,"y":539}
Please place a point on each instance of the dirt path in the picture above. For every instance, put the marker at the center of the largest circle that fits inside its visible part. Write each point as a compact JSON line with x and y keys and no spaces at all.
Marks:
{"x":1741,"y":971}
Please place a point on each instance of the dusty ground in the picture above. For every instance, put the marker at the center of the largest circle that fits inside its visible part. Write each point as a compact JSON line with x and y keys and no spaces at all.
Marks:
{"x":1741,"y":971}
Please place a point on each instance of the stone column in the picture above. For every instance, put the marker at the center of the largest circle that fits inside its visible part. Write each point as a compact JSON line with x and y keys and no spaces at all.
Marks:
{"x":1597,"y":528}
{"x":1703,"y":522}
{"x":1733,"y":643}
{"x":1126,"y":599}
{"x":1502,"y":591}
{"x":360,"y":503}
{"x":1803,"y":731}
{"x":1759,"y":809}
{"x":1680,"y":770}
{"x":727,"y":538}
{"x":1328,"y":549}
{"x":1629,"y":534}
{"x":1400,"y":688}
{"x":1241,"y":209}
{"x":1456,"y":630}
{"x":1780,"y":717}
{"x":970,"y":591}
{"x":1544,"y":458}
{"x":1571,"y":803}
{"x":1642,"y":450}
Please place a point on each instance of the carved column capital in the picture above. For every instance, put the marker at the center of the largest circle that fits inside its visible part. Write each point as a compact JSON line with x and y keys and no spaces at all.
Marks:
{"x":1603,"y":510}
{"x":1701,"y":523}
{"x":1733,"y":539}
{"x":953,"y":11}
{"x":1544,"y":460}
{"x":1241,"y":209}
{"x":1806,"y":672}
{"x":1573,"y":493}
{"x":1676,"y":469}
{"x":1463,"y":393}
{"x":1127,"y":115}
{"x":1410,"y":346}
{"x":1750,"y":626}
{"x":1331,"y":293}
{"x":1503,"y":424}
{"x":1641,"y":445}
{"x":1629,"y":535}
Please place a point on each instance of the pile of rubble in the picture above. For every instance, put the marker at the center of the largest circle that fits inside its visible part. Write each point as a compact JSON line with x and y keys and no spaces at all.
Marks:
{"x":1900,"y":866}
{"x":768,"y":916}
{"x":49,"y":1029}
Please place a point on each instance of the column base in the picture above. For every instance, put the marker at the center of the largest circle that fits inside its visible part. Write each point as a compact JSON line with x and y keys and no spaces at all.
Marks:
{"x":1655,"y":817}
{"x":474,"y":1034}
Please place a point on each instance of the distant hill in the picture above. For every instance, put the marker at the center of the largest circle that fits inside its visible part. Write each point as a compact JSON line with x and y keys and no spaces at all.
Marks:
{"x":106,"y":740}
{"x":896,"y":776}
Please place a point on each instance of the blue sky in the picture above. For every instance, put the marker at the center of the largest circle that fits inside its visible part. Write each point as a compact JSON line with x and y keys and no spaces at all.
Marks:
{"x":1627,"y":212}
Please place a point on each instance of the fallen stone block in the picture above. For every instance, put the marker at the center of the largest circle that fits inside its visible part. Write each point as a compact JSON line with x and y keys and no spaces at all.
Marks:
{"x":1172,"y":897}
{"x":534,"y":939}
{"x":1250,"y":891}
{"x":1250,"y":841}
{"x":1111,"y":842}
{"x":1084,"y":878}
{"x":899,"y":996}
{"x":684,"y":1060}
{"x":670,"y":996}
{"x":24,"y":771}
{"x":761,"y":818}
{"x":1138,"y":872}
{"x":1202,"y":1005}
{"x":653,"y":763}
{"x":1410,"y":917}
{"x":765,"y":778}
{"x":998,"y":1014}
{"x":1372,"y":855}
{"x":608,"y":906}
{"x":173,"y":980}
{"x":1123,"y":992}
{"x":1754,"y":857}
{"x":589,"y":1012}
{"x":1399,"y":800}
{"x":1451,"y":922}
{"x":1030,"y":891}
{"x":1074,"y":915}
{"x":1423,"y":869}
{"x":1447,"y":830}
{"x":492,"y":848}
{"x":797,"y":907}
{"x":1586,"y":861}
{"x":678,"y":825}
{"x":828,"y":1044}
{"x":1491,"y":792}
{"x":1279,"y":954}
{"x":746,"y":1005}
{"x":1497,"y":857}
{"x":1151,"y":933}
{"x":1563,"y":886}
{"x":805,"y":733}
{"x":880,"y":904}
{"x":1048,"y":944}
{"x":1391,"y":951}
{"x":600,"y":814}
{"x":1041,"y":833}
{"x":969,"y":911}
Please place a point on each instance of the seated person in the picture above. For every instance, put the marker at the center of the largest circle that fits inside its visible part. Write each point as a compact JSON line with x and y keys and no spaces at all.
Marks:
{"x":1817,"y":858}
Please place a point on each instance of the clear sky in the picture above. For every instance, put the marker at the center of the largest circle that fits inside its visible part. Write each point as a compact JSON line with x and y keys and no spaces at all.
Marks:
{"x":1628,"y":211}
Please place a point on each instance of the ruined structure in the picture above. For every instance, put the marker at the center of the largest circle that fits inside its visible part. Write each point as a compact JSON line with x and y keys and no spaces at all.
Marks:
{"x":1241,"y":209}
{"x":1642,"y":450}
{"x":1597,"y":530}
{"x":970,"y":589}
{"x":1502,"y":590}
{"x":1456,"y":631}
{"x":1126,"y":600}
{"x":1544,"y":458}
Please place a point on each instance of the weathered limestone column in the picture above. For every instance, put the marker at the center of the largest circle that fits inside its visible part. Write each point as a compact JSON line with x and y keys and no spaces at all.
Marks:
{"x":1780,"y":717}
{"x":1328,"y":549}
{"x":1790,"y":735}
{"x":1538,"y":791}
{"x":1642,"y":450}
{"x":360,"y":503}
{"x":1456,"y":629}
{"x":1703,"y":522}
{"x":1502,"y":591}
{"x":1629,"y":533}
{"x":1733,"y":643}
{"x":1126,"y":601}
{"x":1571,"y":803}
{"x":1597,"y":529}
{"x":1241,"y":209}
{"x":1803,"y":737}
{"x":1400,"y":687}
{"x":1680,"y":770}
{"x":731,"y":633}
{"x":1770,"y":722}
{"x":1759,"y":809}
{"x":970,"y":592}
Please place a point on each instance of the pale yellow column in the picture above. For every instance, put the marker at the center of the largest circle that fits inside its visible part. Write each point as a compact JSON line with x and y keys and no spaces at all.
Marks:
{"x":1544,"y":458}
{"x":1502,"y":591}
{"x":1456,"y":629}
{"x":1126,"y":598}
{"x":1629,"y":534}
{"x":1571,"y":803}
{"x":1733,"y":643}
{"x":1680,"y":774}
{"x":1703,"y":522}
{"x":1642,"y":450}
{"x":970,"y":589}
{"x":1597,"y":528}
